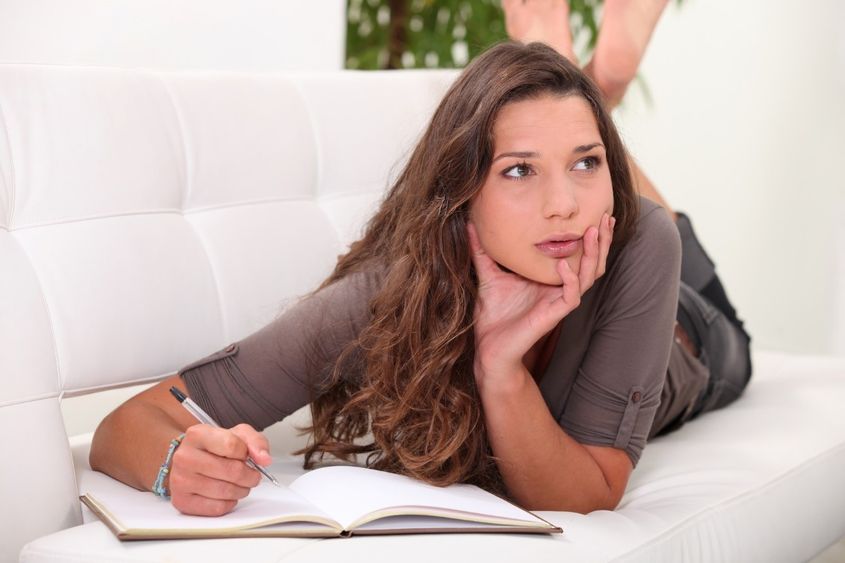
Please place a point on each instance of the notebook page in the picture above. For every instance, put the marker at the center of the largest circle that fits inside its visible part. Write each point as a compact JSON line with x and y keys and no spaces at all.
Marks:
{"x":418,"y":523}
{"x":135,"y":509}
{"x":349,"y":493}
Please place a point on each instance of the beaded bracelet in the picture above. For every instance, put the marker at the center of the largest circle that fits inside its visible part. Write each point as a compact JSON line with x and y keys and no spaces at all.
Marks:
{"x":158,"y":486}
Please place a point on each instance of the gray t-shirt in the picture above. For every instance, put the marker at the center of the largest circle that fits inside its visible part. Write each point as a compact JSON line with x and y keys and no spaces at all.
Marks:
{"x":604,"y":383}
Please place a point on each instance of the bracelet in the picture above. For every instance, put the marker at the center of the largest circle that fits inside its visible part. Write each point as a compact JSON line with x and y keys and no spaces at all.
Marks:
{"x":158,"y":486}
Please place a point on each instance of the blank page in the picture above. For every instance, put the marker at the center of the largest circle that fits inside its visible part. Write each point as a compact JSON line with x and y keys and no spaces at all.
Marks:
{"x":349,"y":493}
{"x":432,"y":523}
{"x":135,"y":509}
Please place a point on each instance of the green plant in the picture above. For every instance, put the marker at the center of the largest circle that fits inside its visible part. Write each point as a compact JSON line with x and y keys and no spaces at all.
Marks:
{"x":384,"y":34}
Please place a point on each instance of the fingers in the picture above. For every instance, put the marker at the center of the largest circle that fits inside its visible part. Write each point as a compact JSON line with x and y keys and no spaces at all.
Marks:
{"x":208,"y":475}
{"x":605,"y":239}
{"x":193,"y":461}
{"x":596,"y":249}
{"x":485,"y":266}
{"x":207,"y":487}
{"x":570,"y":296}
{"x":218,"y":441}
{"x":589,"y":258}
{"x":201,"y":506}
{"x":256,"y":443}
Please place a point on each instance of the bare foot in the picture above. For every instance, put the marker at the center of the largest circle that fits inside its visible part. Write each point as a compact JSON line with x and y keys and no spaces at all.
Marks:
{"x":546,"y":21}
{"x":626,"y":27}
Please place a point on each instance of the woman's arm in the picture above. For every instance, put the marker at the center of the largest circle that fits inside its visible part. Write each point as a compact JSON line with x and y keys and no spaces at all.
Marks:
{"x":208,"y":474}
{"x":130,"y":443}
{"x":580,"y":459}
{"x":543,"y":467}
{"x":258,"y":380}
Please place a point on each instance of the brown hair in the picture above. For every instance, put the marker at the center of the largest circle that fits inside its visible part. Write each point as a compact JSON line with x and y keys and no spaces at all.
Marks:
{"x":416,"y":391}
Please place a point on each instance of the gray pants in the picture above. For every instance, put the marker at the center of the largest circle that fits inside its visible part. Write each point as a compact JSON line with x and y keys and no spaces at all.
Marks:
{"x":708,"y":317}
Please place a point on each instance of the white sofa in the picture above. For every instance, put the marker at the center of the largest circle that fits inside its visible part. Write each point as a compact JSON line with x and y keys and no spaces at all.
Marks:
{"x":149,"y":218}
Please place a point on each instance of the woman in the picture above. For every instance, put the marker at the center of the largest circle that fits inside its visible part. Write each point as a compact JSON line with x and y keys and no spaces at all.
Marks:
{"x":506,"y":320}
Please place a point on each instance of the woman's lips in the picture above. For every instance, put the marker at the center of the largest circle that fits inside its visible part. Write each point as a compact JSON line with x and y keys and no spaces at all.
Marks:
{"x":559,"y":249}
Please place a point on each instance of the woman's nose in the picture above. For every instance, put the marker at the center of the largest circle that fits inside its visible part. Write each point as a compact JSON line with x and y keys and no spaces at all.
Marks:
{"x":559,"y":199}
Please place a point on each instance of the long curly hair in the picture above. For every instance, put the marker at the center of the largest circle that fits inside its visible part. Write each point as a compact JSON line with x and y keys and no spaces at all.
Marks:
{"x":416,"y":391}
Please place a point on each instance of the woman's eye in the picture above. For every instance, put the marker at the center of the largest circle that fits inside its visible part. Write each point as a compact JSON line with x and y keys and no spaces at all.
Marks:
{"x":589,"y":163}
{"x":519,"y":171}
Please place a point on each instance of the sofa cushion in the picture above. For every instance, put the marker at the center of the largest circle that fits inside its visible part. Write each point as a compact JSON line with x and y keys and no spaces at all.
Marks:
{"x":757,"y":481}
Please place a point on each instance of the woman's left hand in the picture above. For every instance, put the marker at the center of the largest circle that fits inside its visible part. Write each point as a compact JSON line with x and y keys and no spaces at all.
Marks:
{"x":512,"y":313}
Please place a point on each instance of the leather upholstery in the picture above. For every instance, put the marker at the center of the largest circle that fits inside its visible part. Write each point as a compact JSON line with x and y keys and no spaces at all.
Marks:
{"x":149,"y":218}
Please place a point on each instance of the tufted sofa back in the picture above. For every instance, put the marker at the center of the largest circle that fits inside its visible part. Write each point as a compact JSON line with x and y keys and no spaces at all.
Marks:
{"x":149,"y":218}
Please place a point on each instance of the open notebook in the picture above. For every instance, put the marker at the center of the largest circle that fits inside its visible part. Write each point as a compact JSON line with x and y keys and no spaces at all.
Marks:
{"x":327,"y":502}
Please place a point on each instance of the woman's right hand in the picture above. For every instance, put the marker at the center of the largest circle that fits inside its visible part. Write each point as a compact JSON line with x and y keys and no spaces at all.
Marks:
{"x":208,"y":475}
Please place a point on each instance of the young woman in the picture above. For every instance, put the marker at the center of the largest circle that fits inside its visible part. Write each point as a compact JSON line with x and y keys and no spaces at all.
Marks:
{"x":506,"y":320}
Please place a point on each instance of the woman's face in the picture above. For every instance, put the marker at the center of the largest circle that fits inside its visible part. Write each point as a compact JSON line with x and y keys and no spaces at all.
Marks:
{"x":548,"y":182}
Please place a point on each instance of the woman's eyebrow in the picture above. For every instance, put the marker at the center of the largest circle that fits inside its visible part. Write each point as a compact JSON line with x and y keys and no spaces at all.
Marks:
{"x":586,"y":148}
{"x":531,"y":154}
{"x":519,"y":154}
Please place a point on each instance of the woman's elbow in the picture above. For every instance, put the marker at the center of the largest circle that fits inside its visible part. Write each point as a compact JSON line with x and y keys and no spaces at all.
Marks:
{"x":604,"y":499}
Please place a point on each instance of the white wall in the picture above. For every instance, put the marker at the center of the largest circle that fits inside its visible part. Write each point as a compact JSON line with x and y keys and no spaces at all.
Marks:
{"x":746,"y":134}
{"x":249,"y":35}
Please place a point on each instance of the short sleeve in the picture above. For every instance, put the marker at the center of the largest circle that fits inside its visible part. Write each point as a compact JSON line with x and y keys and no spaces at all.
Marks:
{"x":278,"y":369}
{"x":616,"y":392}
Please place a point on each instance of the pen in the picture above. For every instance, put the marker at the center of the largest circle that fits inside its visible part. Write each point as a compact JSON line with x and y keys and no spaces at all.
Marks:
{"x":203,"y":417}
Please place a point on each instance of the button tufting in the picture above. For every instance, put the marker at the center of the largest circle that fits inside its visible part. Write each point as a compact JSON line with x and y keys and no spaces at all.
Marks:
{"x":636,"y":396}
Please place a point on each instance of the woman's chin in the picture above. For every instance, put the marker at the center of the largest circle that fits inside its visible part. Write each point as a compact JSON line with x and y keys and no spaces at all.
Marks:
{"x":574,"y":263}
{"x":546,"y":273}
{"x":548,"y":276}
